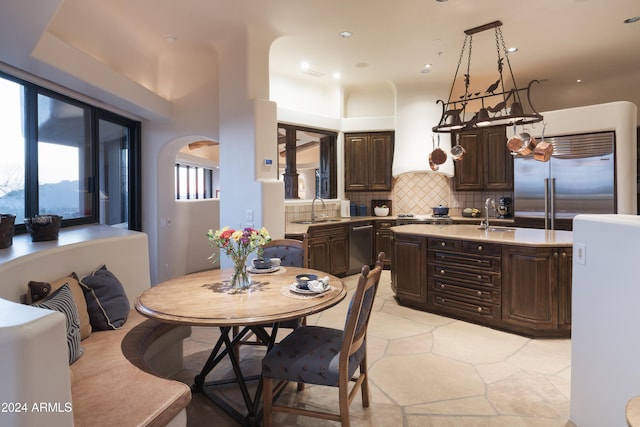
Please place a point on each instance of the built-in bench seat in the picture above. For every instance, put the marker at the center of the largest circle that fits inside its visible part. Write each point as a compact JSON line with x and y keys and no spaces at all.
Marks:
{"x":122,"y":376}
{"x":112,"y":383}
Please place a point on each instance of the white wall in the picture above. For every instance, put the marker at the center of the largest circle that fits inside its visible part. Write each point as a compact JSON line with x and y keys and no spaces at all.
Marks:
{"x":194,"y":118}
{"x":417,"y":113}
{"x":191,"y":250}
{"x":605,"y":348}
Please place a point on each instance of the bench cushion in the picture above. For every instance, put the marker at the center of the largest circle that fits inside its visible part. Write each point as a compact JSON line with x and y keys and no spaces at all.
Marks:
{"x":112,"y":384}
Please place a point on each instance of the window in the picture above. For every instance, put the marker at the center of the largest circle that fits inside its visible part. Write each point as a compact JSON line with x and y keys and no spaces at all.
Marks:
{"x":193,"y":182}
{"x":307,"y":162}
{"x":64,"y":157}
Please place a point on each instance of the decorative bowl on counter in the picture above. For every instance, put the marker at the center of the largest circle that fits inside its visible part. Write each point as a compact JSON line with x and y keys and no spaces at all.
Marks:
{"x":471,"y":212}
{"x":381,"y":211}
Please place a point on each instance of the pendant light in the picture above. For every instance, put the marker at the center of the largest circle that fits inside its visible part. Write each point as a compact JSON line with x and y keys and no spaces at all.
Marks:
{"x":493,"y":106}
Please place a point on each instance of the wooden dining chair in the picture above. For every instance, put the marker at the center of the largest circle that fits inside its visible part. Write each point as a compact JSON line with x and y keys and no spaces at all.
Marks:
{"x":292,"y":253}
{"x":325,"y":356}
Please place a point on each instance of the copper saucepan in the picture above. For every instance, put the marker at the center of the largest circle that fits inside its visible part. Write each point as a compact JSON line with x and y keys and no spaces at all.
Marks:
{"x":543,"y":150}
{"x":437,"y":156}
{"x":522,"y":144}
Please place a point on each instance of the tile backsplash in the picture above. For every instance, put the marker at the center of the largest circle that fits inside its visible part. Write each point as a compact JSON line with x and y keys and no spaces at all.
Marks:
{"x":413,"y":193}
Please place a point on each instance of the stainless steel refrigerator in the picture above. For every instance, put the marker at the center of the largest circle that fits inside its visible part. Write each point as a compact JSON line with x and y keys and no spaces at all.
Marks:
{"x":579,"y":178}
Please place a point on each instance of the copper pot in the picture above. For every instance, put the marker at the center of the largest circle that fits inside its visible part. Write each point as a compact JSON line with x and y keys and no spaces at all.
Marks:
{"x":522,"y":144}
{"x":438,"y":156}
{"x":543,"y":151}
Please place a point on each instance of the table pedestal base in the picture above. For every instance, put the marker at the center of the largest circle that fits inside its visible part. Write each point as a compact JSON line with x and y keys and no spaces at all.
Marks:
{"x":228,"y":346}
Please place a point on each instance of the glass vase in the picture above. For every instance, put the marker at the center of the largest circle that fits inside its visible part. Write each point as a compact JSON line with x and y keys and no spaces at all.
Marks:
{"x":240,"y":278}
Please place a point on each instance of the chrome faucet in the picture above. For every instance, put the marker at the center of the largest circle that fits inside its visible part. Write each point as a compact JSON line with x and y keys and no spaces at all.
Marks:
{"x":313,"y":208}
{"x":489,"y":201}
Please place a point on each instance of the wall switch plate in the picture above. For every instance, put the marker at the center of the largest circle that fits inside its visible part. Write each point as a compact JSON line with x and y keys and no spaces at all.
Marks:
{"x":580,"y":253}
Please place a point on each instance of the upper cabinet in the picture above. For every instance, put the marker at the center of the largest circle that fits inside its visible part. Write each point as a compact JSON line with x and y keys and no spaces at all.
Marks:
{"x":487,"y":164}
{"x":368,"y":158}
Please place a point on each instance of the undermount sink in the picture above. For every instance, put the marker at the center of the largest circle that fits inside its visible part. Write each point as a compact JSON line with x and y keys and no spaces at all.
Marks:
{"x":315,"y":221}
{"x":498,"y":229}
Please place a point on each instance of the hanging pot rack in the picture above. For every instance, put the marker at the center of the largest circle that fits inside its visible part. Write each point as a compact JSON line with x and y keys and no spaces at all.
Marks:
{"x":493,"y":107}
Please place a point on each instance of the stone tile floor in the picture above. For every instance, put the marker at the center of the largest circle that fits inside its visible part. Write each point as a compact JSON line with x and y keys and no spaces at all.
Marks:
{"x":425,"y":370}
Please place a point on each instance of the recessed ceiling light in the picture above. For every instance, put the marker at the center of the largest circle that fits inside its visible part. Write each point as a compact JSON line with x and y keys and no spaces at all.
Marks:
{"x":426,"y":68}
{"x":578,"y":81}
{"x":632,"y":20}
{"x":170,"y":38}
{"x":345,"y":34}
{"x":336,"y":76}
{"x":512,"y":49}
{"x":305,"y":65}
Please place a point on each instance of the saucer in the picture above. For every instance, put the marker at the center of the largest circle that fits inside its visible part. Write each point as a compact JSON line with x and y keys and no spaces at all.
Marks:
{"x":253,"y":270}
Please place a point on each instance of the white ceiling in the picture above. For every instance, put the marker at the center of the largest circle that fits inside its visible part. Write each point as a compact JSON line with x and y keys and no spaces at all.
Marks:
{"x":560,"y":41}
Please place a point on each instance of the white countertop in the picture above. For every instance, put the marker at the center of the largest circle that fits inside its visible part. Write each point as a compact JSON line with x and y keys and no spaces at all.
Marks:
{"x":508,"y":235}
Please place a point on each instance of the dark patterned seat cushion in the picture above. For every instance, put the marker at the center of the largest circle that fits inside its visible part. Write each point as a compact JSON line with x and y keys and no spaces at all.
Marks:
{"x":289,"y":256}
{"x":310,"y":354}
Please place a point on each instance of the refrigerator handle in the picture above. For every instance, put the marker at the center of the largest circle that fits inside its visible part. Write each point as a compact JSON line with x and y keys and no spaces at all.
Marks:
{"x":552,"y":203}
{"x":546,"y":203}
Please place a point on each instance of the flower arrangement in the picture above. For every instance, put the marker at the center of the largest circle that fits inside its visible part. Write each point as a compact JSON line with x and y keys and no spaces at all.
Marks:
{"x":238,"y":245}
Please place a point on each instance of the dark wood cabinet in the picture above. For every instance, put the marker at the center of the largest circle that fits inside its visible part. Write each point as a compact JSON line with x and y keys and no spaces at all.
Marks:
{"x":536,"y":292}
{"x":487,"y":164}
{"x":464,"y":278}
{"x":409,"y":269}
{"x":329,"y":249}
{"x":368,"y":158}
{"x":518,"y":288}
{"x":564,"y":257}
{"x":383,"y":239}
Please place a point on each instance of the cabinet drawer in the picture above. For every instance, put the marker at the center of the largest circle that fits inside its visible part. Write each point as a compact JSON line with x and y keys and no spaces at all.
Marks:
{"x":480,"y":294}
{"x":487,"y":278}
{"x":481,"y":248}
{"x":445,"y":244}
{"x":454,"y":305}
{"x":328,"y":230}
{"x":475,"y":262}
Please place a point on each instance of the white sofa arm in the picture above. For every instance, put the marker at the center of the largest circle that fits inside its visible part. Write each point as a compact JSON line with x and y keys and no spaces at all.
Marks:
{"x":36,"y":388}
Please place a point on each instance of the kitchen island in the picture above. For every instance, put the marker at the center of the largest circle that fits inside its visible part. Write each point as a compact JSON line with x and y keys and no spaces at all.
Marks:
{"x":513,"y":279}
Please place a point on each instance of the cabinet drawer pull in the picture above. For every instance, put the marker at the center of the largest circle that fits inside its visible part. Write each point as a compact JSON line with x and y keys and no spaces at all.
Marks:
{"x":564,"y":254}
{"x":442,"y":272}
{"x":479,"y":247}
{"x":479,"y":277}
{"x":443,"y":244}
{"x":479,"y":293}
{"x":442,"y":286}
{"x":479,"y":309}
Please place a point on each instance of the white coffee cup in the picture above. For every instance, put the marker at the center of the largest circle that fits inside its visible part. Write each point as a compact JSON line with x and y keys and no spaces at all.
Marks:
{"x":275,"y":262}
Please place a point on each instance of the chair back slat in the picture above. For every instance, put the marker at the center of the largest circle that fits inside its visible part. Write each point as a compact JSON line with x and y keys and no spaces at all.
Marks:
{"x":360,"y":310}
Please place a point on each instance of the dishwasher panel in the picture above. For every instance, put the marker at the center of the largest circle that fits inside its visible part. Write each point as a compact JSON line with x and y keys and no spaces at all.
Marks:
{"x":360,"y":246}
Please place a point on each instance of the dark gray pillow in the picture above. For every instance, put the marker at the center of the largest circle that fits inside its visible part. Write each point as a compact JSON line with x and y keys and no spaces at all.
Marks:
{"x":107,"y":303}
{"x":62,"y":300}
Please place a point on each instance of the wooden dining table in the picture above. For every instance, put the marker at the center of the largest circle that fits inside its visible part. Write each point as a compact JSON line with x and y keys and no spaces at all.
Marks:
{"x":207,"y":299}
